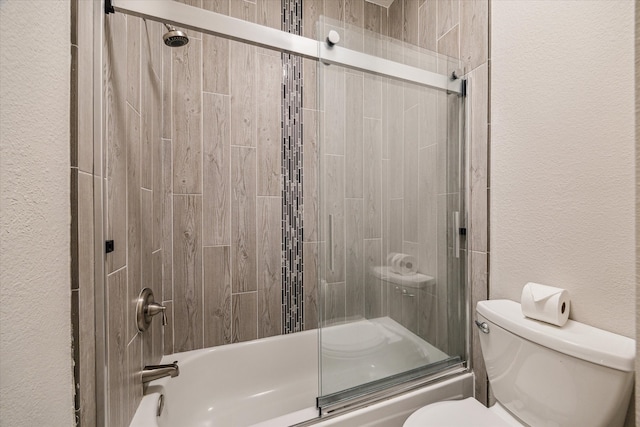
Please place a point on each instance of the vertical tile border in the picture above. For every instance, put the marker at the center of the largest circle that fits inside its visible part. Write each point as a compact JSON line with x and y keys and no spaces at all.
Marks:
{"x":292,"y":161}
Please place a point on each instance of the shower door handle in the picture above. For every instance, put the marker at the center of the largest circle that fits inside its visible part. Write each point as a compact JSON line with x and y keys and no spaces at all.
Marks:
{"x":331,"y":256}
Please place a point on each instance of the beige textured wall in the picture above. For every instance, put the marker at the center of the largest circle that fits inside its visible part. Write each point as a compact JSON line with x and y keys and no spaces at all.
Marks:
{"x":562,"y":159}
{"x":36,"y":385}
{"x":637,"y":92}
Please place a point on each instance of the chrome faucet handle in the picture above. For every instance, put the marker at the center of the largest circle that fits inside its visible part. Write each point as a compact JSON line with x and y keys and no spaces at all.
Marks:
{"x":146,"y":308}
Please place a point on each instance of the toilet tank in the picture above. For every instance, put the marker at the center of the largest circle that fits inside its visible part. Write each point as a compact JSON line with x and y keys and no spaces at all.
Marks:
{"x":575,"y":375}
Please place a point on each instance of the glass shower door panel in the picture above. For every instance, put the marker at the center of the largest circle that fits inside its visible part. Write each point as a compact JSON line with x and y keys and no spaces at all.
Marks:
{"x":391,"y":269}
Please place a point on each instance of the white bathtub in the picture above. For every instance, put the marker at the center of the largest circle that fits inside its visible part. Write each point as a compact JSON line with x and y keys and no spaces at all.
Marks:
{"x":274,"y":381}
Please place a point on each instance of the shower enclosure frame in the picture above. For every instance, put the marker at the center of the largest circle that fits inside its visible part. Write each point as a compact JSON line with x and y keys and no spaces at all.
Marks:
{"x":208,"y":22}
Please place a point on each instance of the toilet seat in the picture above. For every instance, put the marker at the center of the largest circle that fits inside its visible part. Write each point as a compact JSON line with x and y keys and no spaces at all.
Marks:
{"x":459,"y":413}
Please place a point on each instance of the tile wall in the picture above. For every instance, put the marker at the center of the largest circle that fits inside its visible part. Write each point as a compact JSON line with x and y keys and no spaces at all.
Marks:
{"x":192,"y":174}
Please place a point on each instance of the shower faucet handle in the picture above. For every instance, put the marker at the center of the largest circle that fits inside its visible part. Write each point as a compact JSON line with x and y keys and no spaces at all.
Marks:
{"x":155,"y":308}
{"x":146,"y":308}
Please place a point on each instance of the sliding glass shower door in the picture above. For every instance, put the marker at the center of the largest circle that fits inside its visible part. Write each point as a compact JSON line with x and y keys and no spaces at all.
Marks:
{"x":391,"y":276}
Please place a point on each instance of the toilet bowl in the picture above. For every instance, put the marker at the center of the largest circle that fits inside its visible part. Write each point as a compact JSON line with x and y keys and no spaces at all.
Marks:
{"x":542,"y":375}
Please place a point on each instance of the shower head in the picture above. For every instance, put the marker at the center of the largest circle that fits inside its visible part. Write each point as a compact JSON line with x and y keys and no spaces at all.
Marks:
{"x":175,"y":38}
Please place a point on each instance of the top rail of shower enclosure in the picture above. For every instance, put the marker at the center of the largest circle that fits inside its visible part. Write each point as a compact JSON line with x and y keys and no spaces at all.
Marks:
{"x":208,"y":22}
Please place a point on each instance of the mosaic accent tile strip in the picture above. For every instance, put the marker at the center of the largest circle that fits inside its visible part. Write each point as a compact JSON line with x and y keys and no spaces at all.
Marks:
{"x":292,"y":261}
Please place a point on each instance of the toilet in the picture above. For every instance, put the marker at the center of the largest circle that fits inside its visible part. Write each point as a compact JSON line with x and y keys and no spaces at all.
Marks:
{"x":542,"y":375}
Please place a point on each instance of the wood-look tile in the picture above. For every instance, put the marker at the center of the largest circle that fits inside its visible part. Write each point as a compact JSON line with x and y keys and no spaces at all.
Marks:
{"x":133,"y":62}
{"x":428,"y":208}
{"x":411,"y":91}
{"x":372,"y":96}
{"x":310,"y":279}
{"x":73,"y":107}
{"x":242,"y":72}
{"x":449,"y":44}
{"x":372,"y":284}
{"x":396,"y":26}
{"x":479,"y":292}
{"x":427,"y":25}
{"x":150,"y":113}
{"x":73,"y":243}
{"x":115,"y":134}
{"x":372,"y":179}
{"x":134,"y":225}
{"x":217,"y":295}
{"x":410,"y":22}
{"x":146,"y":252}
{"x":479,"y":151}
{"x":353,"y":135}
{"x":167,"y":94}
{"x":269,"y":243}
{"x":384,"y":21}
{"x":311,"y":12}
{"x":145,"y":270}
{"x":168,"y":330}
{"x":158,"y":196}
{"x":216,"y":196}
{"x":395,"y":139}
{"x":134,"y":367}
{"x":474,"y":32}
{"x":372,"y":15}
{"x":86,"y":307}
{"x":311,"y":169}
{"x":269,"y":132}
{"x":157,"y":329}
{"x":85,"y":26}
{"x":354,"y":12}
{"x":167,"y":222}
{"x":309,"y":90}
{"x":334,"y":9}
{"x":243,"y":219}
{"x":269,"y":13}
{"x":245,"y":10}
{"x":334,"y":303}
{"x":428,"y":104}
{"x":117,"y":348}
{"x":215,"y":64}
{"x":395,"y":225}
{"x":353,"y":38}
{"x":334,"y":208}
{"x":187,"y":119}
{"x":334,"y":99}
{"x":411,"y":170}
{"x":187,"y":272}
{"x":354,"y":252}
{"x":219,"y":6}
{"x":448,"y":14}
{"x":75,"y":346}
{"x":244,"y":327}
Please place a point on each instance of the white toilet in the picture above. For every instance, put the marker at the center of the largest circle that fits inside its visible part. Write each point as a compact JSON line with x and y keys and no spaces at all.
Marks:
{"x":542,"y":375}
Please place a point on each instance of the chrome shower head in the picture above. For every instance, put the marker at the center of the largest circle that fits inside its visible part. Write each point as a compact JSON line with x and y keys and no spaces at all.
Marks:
{"x":175,"y":38}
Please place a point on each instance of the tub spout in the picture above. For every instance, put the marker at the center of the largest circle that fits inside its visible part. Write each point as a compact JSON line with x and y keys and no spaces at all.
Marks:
{"x":154,"y":372}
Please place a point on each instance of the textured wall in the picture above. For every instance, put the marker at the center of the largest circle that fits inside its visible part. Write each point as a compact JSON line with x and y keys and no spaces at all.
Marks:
{"x":637,"y":92}
{"x":35,"y":333}
{"x":562,"y":155}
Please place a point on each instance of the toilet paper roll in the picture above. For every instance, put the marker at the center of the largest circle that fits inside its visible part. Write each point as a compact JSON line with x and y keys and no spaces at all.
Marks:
{"x":546,"y":303}
{"x":404,"y":264}
{"x":390,"y":259}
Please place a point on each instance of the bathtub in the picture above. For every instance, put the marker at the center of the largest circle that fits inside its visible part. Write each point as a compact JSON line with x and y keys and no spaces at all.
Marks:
{"x":273,"y":382}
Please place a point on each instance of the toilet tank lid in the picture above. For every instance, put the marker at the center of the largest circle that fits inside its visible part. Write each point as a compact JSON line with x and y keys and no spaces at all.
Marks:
{"x":574,"y":338}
